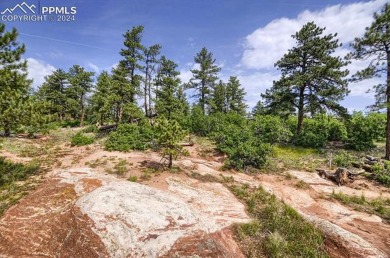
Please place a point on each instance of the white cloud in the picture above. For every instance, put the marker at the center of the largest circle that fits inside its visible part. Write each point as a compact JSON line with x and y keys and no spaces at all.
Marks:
{"x":266,"y":45}
{"x":185,"y":73}
{"x":255,"y":84}
{"x":94,"y":68}
{"x":37,"y":70}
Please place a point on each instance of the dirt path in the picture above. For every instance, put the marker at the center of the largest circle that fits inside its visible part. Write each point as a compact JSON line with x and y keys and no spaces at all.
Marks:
{"x":84,"y":212}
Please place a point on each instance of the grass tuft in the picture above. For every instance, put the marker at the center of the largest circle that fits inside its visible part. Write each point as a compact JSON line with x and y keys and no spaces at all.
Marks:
{"x":277,"y":229}
{"x":379,"y":206}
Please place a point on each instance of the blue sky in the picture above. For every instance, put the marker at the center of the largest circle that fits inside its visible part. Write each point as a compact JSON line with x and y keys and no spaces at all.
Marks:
{"x":245,"y":36}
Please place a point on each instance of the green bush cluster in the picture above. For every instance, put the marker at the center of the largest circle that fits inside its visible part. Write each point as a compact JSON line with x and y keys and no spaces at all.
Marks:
{"x":79,"y":139}
{"x":343,"y":159}
{"x":10,"y":172}
{"x":271,"y":129}
{"x":321,"y":129}
{"x":130,"y":137}
{"x":382,"y":173}
{"x":90,"y":129}
{"x":364,"y":130}
{"x":242,"y":147}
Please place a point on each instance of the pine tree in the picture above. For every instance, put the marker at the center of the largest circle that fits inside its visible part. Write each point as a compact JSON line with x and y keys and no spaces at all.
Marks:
{"x":14,"y":85}
{"x":122,"y":92}
{"x":203,"y":79}
{"x":235,"y":96}
{"x":185,"y":106}
{"x":312,"y":80}
{"x":53,"y":91}
{"x":168,"y":84}
{"x":169,"y":136}
{"x":218,"y":102}
{"x":259,"y":109}
{"x":101,"y":100}
{"x":150,"y":55}
{"x":375,"y":45}
{"x":133,"y":56}
{"x":80,"y":85}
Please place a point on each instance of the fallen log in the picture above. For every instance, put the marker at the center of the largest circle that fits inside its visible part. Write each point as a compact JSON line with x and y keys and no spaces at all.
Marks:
{"x":367,"y":168}
{"x":370,"y":162}
{"x":104,"y":128}
{"x":357,"y":164}
{"x":371,"y":158}
{"x":185,"y":144}
{"x":341,"y":176}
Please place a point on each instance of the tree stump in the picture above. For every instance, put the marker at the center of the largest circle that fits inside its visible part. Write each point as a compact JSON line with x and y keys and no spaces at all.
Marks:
{"x":341,"y":176}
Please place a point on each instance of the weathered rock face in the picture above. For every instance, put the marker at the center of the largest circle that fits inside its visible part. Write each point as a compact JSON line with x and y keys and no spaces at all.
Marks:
{"x":80,"y":213}
{"x":47,"y":224}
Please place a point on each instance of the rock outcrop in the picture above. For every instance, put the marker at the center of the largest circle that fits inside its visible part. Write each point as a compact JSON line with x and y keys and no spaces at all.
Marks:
{"x":81,"y":213}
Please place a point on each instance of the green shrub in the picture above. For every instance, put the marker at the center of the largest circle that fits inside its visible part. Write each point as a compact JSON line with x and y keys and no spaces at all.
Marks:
{"x":382,"y":173}
{"x":318,"y":131}
{"x":343,"y":159}
{"x":10,"y":172}
{"x":271,"y":129}
{"x":80,"y":139}
{"x":133,"y":179}
{"x":200,"y":123}
{"x":364,"y":130}
{"x":315,"y":132}
{"x":242,"y":147}
{"x":337,"y":130}
{"x":90,"y":129}
{"x":130,"y":137}
{"x":70,"y":123}
{"x":121,"y":167}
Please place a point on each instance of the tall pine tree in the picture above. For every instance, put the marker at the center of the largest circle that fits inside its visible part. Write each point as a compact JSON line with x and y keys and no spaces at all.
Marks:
{"x":203,"y":79}
{"x":80,"y":85}
{"x":101,"y":100}
{"x":168,"y":103}
{"x":133,"y":56}
{"x":53,"y":91}
{"x":312,"y":79}
{"x":228,"y":97}
{"x":375,"y":45}
{"x":235,"y":96}
{"x":14,"y":85}
{"x":151,"y":60}
{"x":218,"y":103}
{"x":122,"y":91}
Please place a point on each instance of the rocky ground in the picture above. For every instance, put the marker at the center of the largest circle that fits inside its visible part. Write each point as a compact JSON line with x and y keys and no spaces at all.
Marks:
{"x":84,"y":209}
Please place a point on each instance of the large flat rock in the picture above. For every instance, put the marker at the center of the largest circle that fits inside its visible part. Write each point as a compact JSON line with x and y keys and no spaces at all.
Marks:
{"x":118,"y":218}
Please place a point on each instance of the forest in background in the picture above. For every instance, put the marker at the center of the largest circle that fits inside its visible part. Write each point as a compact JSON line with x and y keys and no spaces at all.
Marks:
{"x":145,"y":101}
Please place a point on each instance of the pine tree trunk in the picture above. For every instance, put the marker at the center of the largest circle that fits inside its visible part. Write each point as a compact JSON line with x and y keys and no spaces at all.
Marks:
{"x":145,"y":102}
{"x":387,"y":156}
{"x":202,"y":97}
{"x":300,"y":110}
{"x":146,"y":90}
{"x":150,"y":98}
{"x":170,"y":161}
{"x":82,"y":110}
{"x":120,"y":114}
{"x":7,"y":131}
{"x":82,"y":115}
